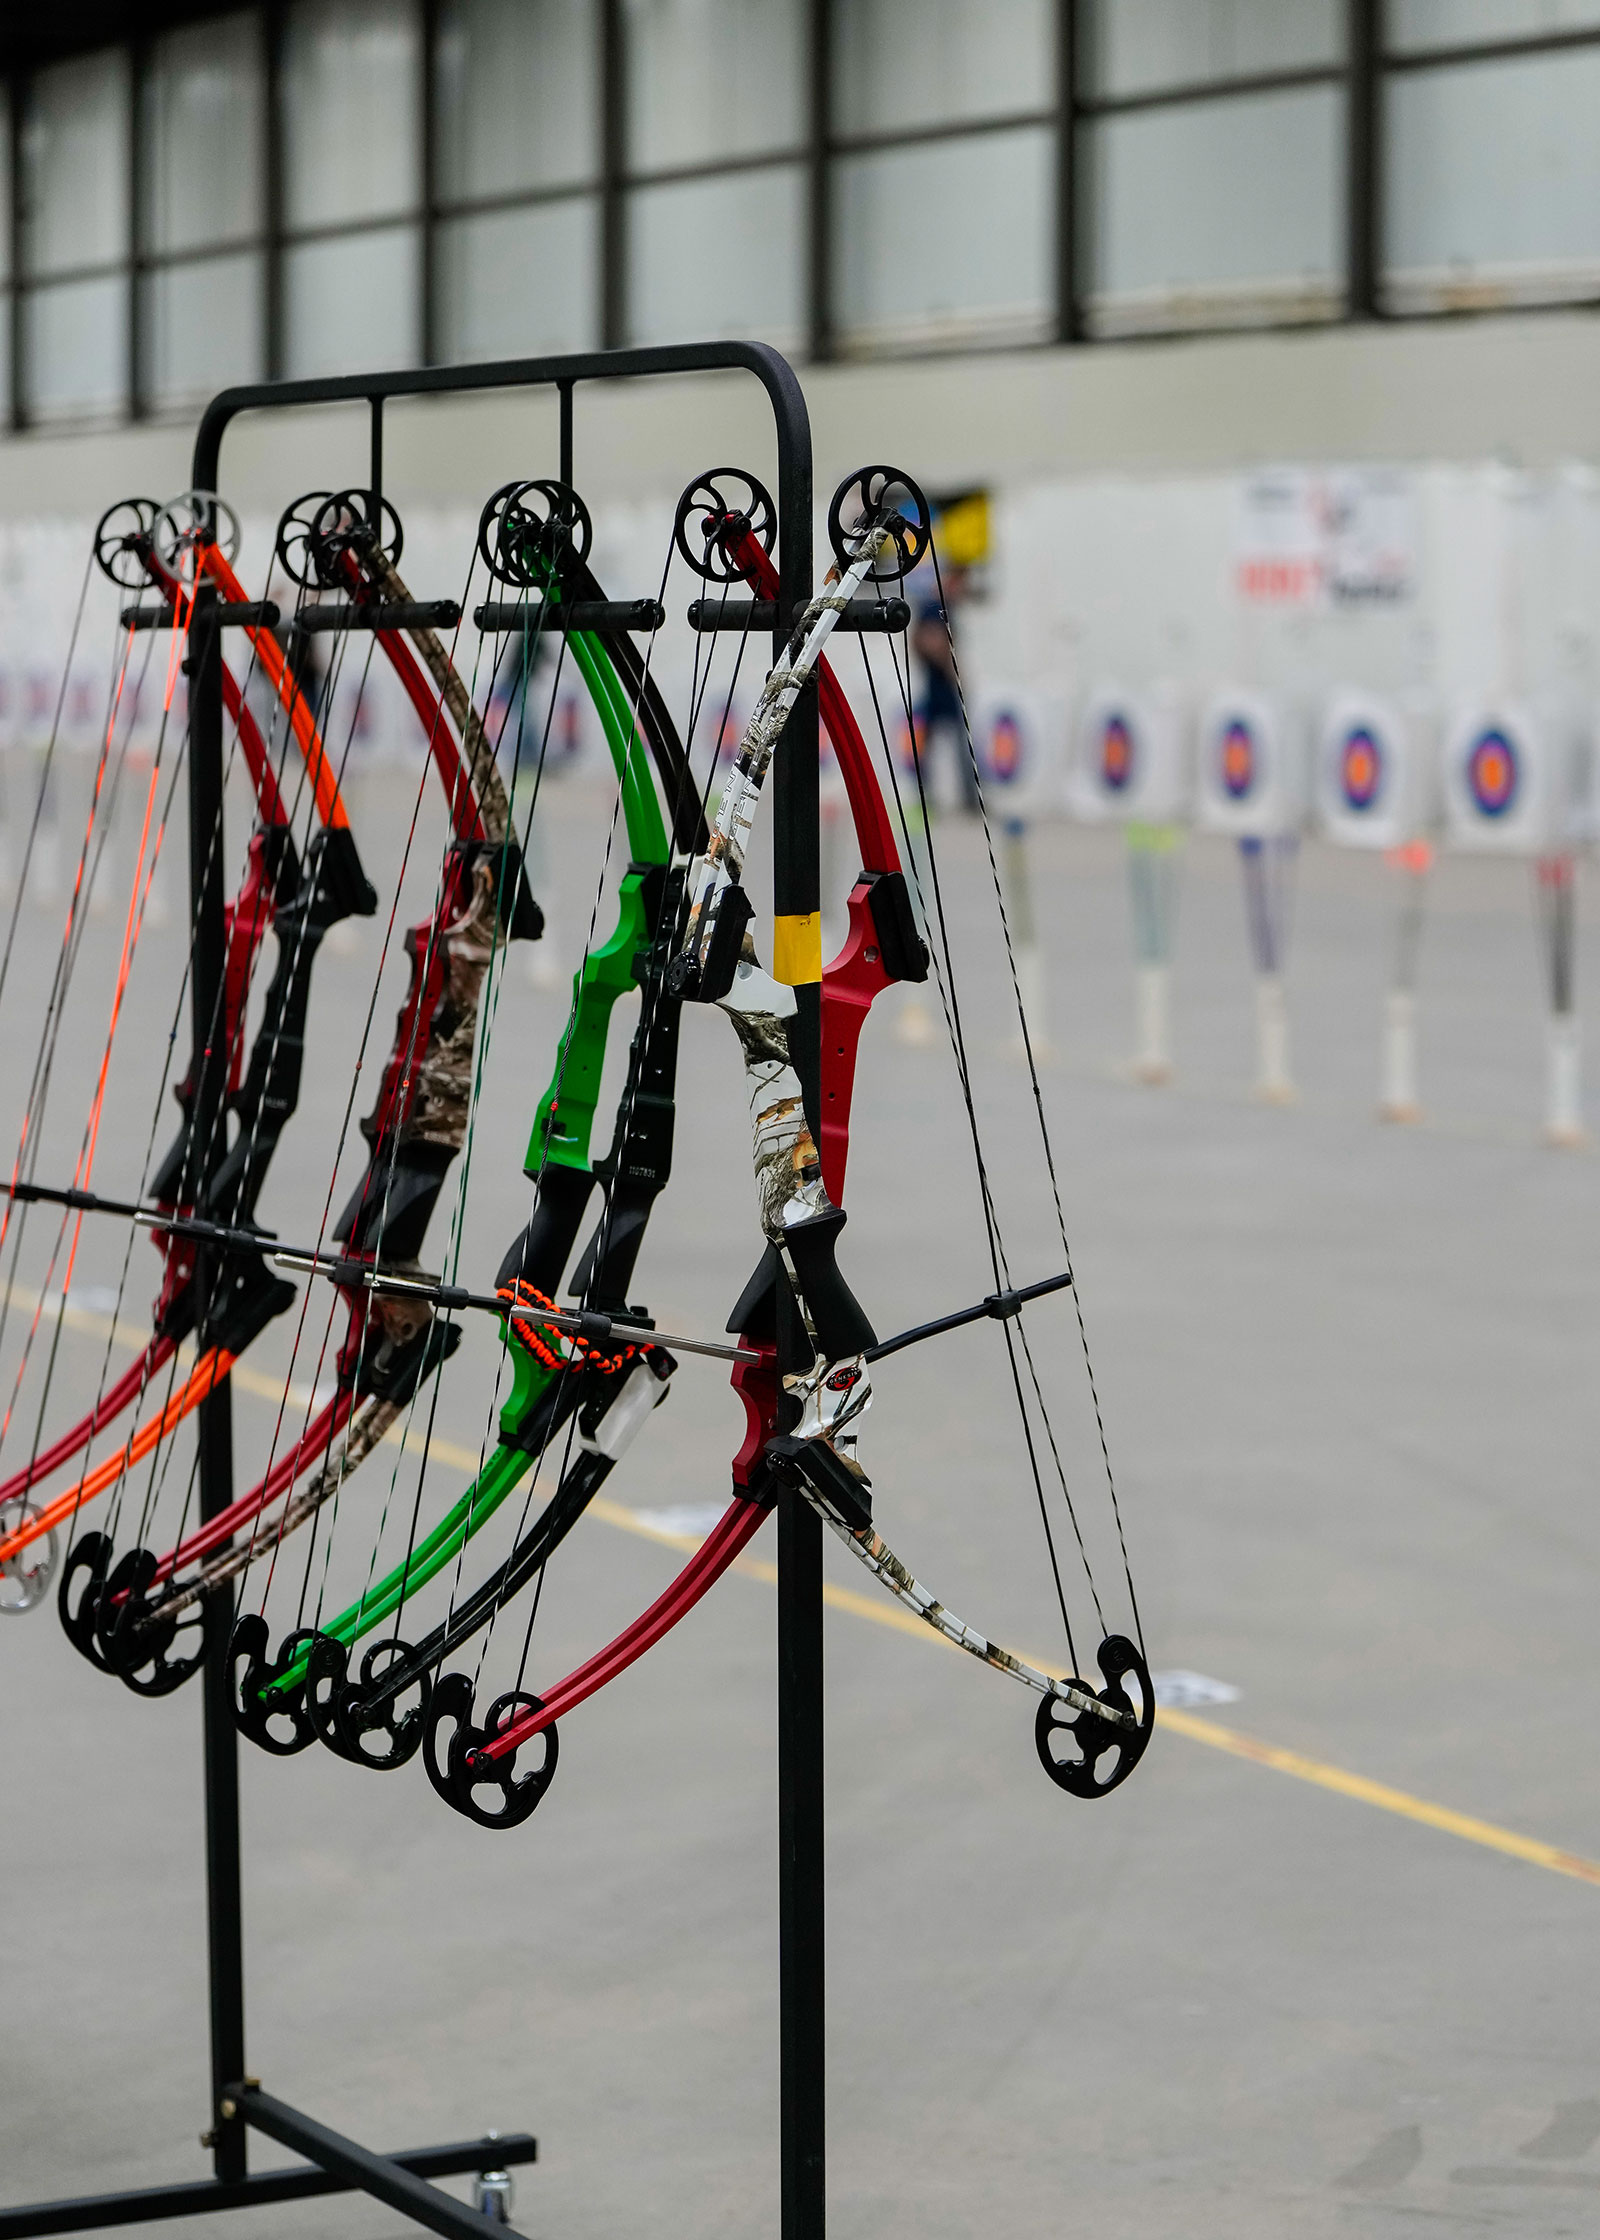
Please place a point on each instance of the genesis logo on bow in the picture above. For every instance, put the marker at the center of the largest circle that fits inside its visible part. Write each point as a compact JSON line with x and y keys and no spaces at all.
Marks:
{"x":1360,"y":767}
{"x":1237,"y":759}
{"x":1493,"y":773}
{"x":1116,"y":754}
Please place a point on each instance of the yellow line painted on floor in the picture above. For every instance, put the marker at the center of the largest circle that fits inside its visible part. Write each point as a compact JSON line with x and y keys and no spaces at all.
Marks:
{"x":1300,"y":1768}
{"x":1316,"y":1771}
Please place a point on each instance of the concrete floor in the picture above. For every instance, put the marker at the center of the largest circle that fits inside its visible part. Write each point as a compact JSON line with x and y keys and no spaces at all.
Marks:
{"x":1347,"y":1375}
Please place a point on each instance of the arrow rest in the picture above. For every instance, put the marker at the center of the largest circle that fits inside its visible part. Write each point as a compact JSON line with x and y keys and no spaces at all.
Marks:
{"x":878,"y":498}
{"x":461,"y":1772}
{"x":723,"y":522}
{"x":1104,"y":1755}
{"x":525,"y":543}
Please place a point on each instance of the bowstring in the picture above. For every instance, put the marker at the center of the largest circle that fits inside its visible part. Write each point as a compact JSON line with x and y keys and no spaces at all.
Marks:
{"x":488,"y":1007}
{"x":696,"y":702}
{"x":461,"y":778}
{"x":571,"y":1363}
{"x":27,"y":1152}
{"x":949,"y":1000}
{"x":249,"y":1141}
{"x":131,"y":933}
{"x":47,"y":763}
{"x":199,"y":1165}
{"x":1021,"y":1339}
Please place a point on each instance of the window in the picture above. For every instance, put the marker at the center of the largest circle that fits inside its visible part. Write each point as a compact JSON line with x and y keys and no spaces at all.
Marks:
{"x":1493,"y":184}
{"x":715,"y":222}
{"x":718,"y":257}
{"x":76,"y":237}
{"x":899,"y":64}
{"x":517,"y":107}
{"x":281,"y":186}
{"x":1155,"y":46}
{"x":711,"y":80}
{"x":352,"y":157}
{"x":515,"y":283}
{"x":351,"y":302}
{"x":202,"y":138}
{"x":1415,"y":25}
{"x":945,"y":242}
{"x":517,"y":97}
{"x":1207,"y":207}
{"x":201,"y":211}
{"x":350,"y":86}
{"x":1221,"y":212}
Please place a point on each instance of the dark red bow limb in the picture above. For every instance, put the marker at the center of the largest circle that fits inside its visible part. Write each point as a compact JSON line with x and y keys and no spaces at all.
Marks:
{"x":113,"y":1400}
{"x":464,"y":817}
{"x":729,"y":1537}
{"x":313,"y":1443}
{"x":268,"y":799}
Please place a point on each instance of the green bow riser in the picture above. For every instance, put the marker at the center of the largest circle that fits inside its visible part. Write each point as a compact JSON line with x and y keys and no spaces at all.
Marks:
{"x":562,"y":1129}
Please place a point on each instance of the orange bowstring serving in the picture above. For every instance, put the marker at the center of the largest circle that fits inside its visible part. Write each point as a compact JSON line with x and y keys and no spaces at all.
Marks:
{"x":73,"y":901}
{"x":138,"y":900}
{"x":545,"y":1346}
{"x":212,"y":1366}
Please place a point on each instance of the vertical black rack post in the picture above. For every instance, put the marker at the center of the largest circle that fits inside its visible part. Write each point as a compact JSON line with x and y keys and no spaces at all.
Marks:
{"x":332,"y":2163}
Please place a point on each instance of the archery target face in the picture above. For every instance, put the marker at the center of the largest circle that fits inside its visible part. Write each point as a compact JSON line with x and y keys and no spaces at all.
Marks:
{"x":1516,"y":775}
{"x":1007,"y":749}
{"x":1377,"y":778}
{"x":1494,"y":773}
{"x":1255,"y":765}
{"x":1117,"y":752}
{"x":1019,"y":733}
{"x":1238,"y":758}
{"x":1361,"y":767}
{"x":1131,"y":756}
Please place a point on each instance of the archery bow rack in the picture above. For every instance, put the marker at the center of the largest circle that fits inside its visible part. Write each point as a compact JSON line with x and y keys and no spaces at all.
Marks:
{"x":334,"y":2164}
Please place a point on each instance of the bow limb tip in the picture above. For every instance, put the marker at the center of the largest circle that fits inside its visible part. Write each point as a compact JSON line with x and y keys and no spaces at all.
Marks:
{"x":454,"y":1754}
{"x":152,"y":1651}
{"x":360,"y":1719}
{"x":83,"y":1580}
{"x":261,"y":1711}
{"x":1089,"y":1756}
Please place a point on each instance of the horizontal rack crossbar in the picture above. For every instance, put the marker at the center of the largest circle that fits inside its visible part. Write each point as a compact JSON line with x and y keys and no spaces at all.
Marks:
{"x":201,"y":2196}
{"x":886,"y":615}
{"x":393,"y":614}
{"x":233,"y":614}
{"x":507,"y":615}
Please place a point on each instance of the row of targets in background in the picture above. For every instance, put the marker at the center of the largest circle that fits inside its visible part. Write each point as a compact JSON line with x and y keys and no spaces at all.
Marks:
{"x":1512,"y":777}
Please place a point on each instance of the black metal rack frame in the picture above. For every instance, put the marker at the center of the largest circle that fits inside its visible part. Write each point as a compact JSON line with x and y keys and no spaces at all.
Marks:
{"x":333,"y":2163}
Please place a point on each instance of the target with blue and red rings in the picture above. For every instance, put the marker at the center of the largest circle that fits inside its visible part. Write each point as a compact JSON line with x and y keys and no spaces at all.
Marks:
{"x":1236,"y":758}
{"x":1360,"y":767}
{"x":1493,"y":773}
{"x":1007,"y":748}
{"x":1116,"y":754}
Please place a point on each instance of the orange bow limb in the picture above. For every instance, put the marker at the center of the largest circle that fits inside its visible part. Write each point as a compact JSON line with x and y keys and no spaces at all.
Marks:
{"x":212,"y":1366}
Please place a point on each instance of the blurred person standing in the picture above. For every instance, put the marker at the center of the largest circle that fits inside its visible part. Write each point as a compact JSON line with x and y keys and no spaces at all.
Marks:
{"x":941,"y":725}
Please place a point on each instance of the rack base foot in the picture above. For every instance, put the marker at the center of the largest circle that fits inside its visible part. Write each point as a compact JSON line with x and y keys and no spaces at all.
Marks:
{"x":334,"y":2165}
